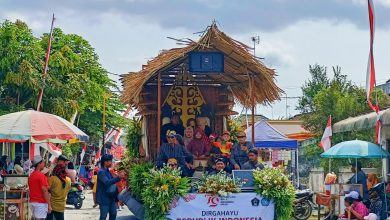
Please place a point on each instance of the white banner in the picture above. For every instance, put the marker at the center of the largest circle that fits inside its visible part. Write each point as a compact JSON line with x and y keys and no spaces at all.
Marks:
{"x":237,"y":206}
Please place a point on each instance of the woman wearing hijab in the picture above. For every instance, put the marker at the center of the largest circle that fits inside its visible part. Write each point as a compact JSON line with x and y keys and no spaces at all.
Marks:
{"x":197,"y":146}
{"x":188,"y":135}
{"x":372,"y":180}
{"x":59,"y":188}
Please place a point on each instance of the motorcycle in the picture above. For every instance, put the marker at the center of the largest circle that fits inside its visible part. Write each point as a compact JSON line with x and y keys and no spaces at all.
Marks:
{"x":303,"y":205}
{"x":75,"y":196}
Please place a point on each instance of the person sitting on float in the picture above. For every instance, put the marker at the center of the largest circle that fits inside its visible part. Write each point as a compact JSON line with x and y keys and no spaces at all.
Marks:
{"x":212,"y":138}
{"x":225,"y":145}
{"x":240,"y":151}
{"x":354,"y":207}
{"x":220,"y":165}
{"x":175,"y":125}
{"x":179,"y":152}
{"x":188,"y":135}
{"x":253,"y":162}
{"x":197,"y":146}
{"x":201,"y":122}
{"x":172,"y":163}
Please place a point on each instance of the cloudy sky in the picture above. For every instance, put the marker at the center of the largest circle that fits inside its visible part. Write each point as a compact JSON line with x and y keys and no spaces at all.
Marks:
{"x":293,"y":33}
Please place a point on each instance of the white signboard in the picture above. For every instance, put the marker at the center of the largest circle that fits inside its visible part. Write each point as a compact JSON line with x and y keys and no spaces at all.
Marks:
{"x":237,"y":206}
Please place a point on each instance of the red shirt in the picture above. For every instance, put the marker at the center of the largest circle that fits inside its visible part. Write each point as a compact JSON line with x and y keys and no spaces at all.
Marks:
{"x":35,"y":183}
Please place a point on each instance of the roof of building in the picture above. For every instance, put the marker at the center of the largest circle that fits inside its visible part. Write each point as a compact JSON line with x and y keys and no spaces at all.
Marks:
{"x":241,"y":67}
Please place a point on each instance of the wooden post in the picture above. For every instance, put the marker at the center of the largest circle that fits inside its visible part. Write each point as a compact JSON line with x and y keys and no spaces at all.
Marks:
{"x":253,"y":112}
{"x":159,"y":112}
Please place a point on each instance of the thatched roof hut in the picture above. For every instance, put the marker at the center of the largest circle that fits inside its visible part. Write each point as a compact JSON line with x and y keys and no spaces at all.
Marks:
{"x":240,"y":66}
{"x":164,"y":80}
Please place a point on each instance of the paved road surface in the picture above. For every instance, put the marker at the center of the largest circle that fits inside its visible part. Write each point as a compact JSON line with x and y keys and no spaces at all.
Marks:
{"x":88,"y":213}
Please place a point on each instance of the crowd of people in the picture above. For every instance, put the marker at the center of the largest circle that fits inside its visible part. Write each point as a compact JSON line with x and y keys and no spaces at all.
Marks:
{"x":49,"y":187}
{"x":197,"y":141}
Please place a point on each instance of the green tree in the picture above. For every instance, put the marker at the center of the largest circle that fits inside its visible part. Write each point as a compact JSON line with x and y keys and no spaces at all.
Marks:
{"x":75,"y":83}
{"x":340,"y":99}
{"x":20,"y":66}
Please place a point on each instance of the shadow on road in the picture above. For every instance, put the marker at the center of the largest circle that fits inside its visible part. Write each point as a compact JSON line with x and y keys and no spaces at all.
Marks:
{"x":126,"y":218}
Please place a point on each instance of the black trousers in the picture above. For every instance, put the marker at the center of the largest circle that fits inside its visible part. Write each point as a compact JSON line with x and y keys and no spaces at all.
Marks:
{"x":55,"y":215}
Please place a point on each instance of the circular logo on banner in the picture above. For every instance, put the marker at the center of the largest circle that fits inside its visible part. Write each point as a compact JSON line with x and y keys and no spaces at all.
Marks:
{"x":265,"y":202}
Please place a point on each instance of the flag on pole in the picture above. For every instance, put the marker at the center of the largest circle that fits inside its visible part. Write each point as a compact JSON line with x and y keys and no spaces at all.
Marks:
{"x":97,"y":156}
{"x":83,"y":153}
{"x":370,"y":77}
{"x":326,"y":137}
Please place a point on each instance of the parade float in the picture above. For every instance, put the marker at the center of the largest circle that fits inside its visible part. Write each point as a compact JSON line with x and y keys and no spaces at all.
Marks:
{"x":204,"y":79}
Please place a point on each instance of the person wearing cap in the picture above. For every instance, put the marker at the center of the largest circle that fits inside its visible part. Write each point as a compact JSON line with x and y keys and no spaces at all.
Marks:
{"x":105,"y":180}
{"x":220,"y":165}
{"x":172,"y":163}
{"x":252,"y":162}
{"x":62,"y":160}
{"x":179,"y":152}
{"x":225,"y":145}
{"x":354,"y":207}
{"x":175,"y":125}
{"x":240,"y":151}
{"x":39,"y":190}
{"x":359,"y":177}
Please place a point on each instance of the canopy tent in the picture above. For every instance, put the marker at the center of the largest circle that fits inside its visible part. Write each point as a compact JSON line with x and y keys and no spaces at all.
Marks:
{"x":362,"y":122}
{"x":267,"y":136}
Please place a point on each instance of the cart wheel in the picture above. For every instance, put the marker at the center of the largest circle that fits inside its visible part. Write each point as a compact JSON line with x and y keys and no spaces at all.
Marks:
{"x":78,"y":204}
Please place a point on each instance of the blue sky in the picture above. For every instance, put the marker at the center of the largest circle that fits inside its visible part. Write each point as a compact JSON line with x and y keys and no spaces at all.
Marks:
{"x":293,"y":33}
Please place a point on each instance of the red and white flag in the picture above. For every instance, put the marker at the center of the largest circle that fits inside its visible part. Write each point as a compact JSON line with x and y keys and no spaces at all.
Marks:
{"x":83,"y":153}
{"x":326,"y":142}
{"x":370,"y":78}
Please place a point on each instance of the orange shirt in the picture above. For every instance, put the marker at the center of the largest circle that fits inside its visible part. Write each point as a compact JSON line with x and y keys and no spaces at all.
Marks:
{"x":225,"y":147}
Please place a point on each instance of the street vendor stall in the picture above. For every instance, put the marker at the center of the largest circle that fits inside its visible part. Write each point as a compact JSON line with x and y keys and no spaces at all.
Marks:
{"x":354,"y":149}
{"x":202,"y":80}
{"x":37,"y":129}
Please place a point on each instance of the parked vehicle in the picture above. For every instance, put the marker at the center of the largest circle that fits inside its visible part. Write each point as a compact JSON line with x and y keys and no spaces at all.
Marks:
{"x":303,"y":205}
{"x":75,"y":196}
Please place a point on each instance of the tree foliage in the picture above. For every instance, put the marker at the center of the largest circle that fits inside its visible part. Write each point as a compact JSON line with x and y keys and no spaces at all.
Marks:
{"x":75,"y":83}
{"x":338,"y":97}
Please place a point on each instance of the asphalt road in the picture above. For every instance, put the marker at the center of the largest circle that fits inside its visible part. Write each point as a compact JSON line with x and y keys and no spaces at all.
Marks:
{"x":87,"y":212}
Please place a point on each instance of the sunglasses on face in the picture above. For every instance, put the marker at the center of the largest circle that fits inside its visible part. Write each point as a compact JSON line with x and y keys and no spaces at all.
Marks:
{"x":170,"y":137}
{"x":172,"y":164}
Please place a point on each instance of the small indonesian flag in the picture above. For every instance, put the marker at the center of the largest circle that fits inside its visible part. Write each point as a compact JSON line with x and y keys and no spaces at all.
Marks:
{"x":326,"y":137}
{"x":83,"y":153}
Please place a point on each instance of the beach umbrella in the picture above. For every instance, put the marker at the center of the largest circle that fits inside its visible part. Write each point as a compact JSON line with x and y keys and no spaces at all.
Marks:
{"x":355,"y":149}
{"x":38,"y":127}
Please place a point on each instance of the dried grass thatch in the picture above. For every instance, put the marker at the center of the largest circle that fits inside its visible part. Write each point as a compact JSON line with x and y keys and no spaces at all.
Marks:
{"x":240,"y":67}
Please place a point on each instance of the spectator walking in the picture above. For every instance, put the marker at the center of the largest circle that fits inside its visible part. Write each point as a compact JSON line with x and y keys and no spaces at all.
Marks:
{"x":94,"y":181}
{"x":39,"y":190}
{"x":106,"y":192}
{"x":71,"y":172}
{"x":59,"y":188}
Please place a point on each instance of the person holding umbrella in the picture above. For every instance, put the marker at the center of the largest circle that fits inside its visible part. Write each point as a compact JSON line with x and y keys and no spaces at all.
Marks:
{"x":359,"y":177}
